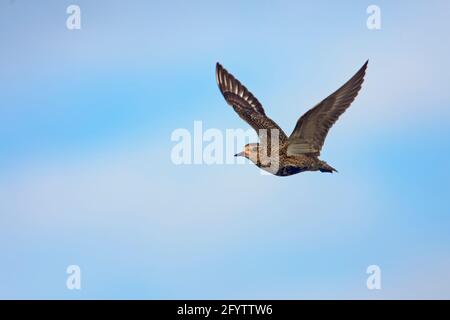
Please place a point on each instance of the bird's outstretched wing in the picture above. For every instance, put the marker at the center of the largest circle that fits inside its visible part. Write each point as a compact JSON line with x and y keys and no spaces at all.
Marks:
{"x":312,"y":128}
{"x":245,"y":104}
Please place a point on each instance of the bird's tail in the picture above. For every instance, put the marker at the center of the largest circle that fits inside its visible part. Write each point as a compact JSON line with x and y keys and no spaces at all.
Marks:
{"x":325,"y":167}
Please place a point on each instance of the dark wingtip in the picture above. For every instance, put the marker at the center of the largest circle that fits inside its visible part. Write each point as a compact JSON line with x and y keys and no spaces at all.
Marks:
{"x":365,"y":65}
{"x":218,"y":68}
{"x":361,"y":72}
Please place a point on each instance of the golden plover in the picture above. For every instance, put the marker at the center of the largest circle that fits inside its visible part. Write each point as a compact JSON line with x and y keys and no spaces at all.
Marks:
{"x":277,"y":153}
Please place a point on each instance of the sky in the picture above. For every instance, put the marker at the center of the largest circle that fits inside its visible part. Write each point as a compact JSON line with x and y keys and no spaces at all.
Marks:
{"x":87,"y":179}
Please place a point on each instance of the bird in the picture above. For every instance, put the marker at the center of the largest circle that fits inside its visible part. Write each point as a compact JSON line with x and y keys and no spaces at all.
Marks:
{"x":277,"y":153}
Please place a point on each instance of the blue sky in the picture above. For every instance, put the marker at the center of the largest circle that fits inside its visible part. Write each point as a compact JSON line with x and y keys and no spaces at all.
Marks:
{"x":86,"y":176}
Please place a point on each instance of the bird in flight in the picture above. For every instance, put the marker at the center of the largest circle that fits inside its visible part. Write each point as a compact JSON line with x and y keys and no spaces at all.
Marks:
{"x":277,"y":153}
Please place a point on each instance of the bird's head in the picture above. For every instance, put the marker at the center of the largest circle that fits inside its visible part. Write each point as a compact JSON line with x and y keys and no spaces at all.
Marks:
{"x":251,"y":151}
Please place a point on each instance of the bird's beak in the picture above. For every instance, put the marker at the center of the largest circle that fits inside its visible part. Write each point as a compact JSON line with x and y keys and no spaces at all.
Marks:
{"x":240,"y":154}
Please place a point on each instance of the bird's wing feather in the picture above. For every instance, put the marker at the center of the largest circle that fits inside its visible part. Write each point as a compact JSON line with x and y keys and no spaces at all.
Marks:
{"x":245,"y":103}
{"x":312,"y":128}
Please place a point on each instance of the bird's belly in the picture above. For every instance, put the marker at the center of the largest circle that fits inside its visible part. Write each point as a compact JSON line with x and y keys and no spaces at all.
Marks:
{"x":290,"y":170}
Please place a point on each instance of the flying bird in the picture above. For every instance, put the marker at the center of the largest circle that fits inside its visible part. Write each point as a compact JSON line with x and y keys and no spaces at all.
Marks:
{"x":276,"y":152}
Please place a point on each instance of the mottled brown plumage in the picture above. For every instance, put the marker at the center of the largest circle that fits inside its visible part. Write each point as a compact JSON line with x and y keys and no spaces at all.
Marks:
{"x":277,"y":153}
